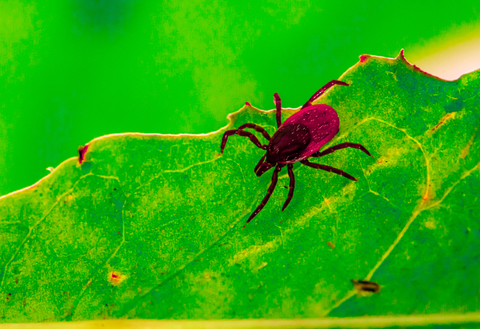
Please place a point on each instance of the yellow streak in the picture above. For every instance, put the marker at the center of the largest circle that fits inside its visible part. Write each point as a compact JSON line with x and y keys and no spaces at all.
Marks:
{"x":353,"y":322}
{"x":442,"y":121}
{"x":466,"y":149}
{"x":418,"y":209}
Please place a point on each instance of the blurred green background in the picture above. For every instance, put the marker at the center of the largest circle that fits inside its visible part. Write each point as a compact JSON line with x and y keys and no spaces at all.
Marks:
{"x":73,"y":70}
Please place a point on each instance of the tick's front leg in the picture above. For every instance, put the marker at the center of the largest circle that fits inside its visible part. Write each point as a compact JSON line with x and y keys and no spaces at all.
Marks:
{"x":292,"y":186}
{"x":322,"y":90}
{"x":239,"y":132}
{"x":257,"y":128}
{"x":278,"y":105}
{"x":269,"y":193}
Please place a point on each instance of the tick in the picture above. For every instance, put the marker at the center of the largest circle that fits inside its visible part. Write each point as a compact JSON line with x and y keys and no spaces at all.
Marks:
{"x":299,"y":137}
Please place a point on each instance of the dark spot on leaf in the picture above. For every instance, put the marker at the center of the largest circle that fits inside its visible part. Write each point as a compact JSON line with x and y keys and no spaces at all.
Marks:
{"x":366,"y":286}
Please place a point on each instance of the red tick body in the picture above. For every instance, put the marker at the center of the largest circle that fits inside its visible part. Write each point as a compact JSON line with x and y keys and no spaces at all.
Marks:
{"x":301,"y":136}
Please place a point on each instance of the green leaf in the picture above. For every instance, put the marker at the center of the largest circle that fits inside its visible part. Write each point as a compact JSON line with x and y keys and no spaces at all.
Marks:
{"x":150,"y":226}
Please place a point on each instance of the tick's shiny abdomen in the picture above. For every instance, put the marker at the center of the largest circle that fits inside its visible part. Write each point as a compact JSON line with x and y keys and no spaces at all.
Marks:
{"x":303,"y":134}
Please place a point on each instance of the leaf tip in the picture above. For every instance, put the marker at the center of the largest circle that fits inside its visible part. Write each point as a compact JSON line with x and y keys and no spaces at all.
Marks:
{"x":363,"y":58}
{"x":81,"y":153}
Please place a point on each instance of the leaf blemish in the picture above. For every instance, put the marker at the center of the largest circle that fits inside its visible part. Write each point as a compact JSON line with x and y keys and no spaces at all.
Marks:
{"x":262,"y":266}
{"x":115,"y":278}
{"x":466,"y":149}
{"x":365,"y":288}
{"x":443,"y":120}
{"x":430,"y":225}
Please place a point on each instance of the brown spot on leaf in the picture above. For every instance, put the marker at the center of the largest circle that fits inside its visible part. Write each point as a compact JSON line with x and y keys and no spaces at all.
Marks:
{"x":116,"y":278}
{"x":331,"y":245}
{"x":363,"y":286}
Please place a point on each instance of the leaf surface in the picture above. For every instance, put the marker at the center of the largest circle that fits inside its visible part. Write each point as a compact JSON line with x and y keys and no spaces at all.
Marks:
{"x":150,"y":226}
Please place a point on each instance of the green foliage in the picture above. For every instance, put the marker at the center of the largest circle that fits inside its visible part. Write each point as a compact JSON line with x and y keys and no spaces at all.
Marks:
{"x":150,"y":226}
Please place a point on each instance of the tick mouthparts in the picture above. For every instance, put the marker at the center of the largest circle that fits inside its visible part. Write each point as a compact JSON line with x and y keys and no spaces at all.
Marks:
{"x":263,"y":168}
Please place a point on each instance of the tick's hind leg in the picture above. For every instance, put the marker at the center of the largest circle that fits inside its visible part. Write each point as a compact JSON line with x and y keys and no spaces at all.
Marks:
{"x":269,"y":192}
{"x":322,"y":90}
{"x":239,"y":132}
{"x":292,"y":186}
{"x":339,"y":147}
{"x":329,"y":169}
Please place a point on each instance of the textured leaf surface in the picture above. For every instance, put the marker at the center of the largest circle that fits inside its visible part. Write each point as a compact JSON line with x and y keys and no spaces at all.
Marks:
{"x":150,"y":226}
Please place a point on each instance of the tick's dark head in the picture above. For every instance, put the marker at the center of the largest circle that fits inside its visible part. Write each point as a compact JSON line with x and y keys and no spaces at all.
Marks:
{"x":287,"y":143}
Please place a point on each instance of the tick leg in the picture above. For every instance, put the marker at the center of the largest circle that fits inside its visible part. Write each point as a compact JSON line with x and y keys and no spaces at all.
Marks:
{"x":257,"y":128}
{"x":322,"y":90}
{"x":259,"y":163}
{"x":239,"y":132}
{"x":278,"y":104}
{"x":292,"y":186}
{"x":329,"y":169}
{"x":339,"y":147}
{"x":269,"y":192}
